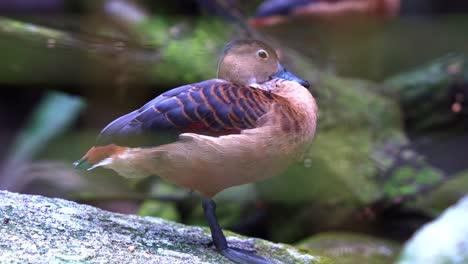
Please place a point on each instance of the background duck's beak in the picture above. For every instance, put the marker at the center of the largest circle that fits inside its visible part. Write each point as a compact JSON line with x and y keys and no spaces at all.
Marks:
{"x":282,"y":73}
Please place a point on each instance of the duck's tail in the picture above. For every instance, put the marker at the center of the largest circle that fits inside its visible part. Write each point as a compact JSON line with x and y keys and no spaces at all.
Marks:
{"x":98,"y":156}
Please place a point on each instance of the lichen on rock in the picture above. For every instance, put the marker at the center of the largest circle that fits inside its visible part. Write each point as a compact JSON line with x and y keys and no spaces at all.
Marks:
{"x":36,"y":229}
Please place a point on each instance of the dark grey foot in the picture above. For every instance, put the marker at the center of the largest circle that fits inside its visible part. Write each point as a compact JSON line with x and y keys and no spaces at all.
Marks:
{"x":241,"y":256}
{"x":237,"y":255}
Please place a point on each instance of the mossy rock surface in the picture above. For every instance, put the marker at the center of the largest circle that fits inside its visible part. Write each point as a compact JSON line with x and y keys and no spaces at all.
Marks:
{"x":448,"y":193}
{"x":35,"y":229}
{"x":352,"y":248}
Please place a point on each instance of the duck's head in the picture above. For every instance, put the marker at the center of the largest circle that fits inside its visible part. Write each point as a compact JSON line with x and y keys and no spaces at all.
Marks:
{"x":250,"y":62}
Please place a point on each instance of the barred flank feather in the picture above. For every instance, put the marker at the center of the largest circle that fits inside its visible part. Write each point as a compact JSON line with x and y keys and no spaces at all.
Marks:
{"x":214,"y":107}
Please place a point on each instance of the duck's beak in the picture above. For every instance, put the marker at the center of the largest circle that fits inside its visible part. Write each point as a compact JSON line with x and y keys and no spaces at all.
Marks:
{"x":286,"y":75}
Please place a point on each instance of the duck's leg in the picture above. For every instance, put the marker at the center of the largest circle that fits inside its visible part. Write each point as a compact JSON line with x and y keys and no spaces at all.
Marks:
{"x":219,"y":240}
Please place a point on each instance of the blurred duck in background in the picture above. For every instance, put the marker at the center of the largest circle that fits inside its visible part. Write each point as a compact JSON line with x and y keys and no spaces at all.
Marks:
{"x":273,"y":12}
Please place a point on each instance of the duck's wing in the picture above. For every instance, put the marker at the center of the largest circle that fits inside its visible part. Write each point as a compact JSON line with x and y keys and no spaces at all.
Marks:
{"x":279,"y":7}
{"x":214,"y":107}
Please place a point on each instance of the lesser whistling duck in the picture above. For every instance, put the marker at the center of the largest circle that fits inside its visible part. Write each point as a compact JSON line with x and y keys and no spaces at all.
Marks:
{"x":247,"y":125}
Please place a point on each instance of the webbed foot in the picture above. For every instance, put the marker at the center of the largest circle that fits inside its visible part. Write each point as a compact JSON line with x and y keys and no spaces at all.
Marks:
{"x":237,"y":255}
{"x":242,"y":256}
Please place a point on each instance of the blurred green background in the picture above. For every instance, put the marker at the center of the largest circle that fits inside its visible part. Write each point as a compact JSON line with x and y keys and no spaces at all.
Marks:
{"x":390,"y":151}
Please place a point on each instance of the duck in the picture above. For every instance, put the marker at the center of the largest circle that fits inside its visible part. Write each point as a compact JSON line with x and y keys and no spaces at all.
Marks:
{"x":248,"y":124}
{"x":273,"y":12}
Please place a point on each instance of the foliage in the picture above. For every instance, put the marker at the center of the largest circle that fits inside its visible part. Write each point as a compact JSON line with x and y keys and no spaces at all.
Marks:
{"x":54,"y":115}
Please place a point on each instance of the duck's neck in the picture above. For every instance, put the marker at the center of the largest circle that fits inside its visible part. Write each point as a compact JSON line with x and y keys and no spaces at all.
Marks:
{"x":301,"y":101}
{"x":297,"y":94}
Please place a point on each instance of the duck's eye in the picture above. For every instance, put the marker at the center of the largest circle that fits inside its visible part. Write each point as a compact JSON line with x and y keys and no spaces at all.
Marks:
{"x":262,"y":54}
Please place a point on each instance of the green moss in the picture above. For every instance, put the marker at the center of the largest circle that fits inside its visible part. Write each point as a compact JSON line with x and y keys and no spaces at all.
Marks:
{"x":352,"y":248}
{"x":189,"y":57}
{"x":426,"y":90}
{"x":446,"y":194}
{"x":159,"y":209}
{"x":155,"y":32}
{"x":407,"y":180}
{"x":27,"y":29}
{"x":428,"y":176}
{"x":283,"y":253}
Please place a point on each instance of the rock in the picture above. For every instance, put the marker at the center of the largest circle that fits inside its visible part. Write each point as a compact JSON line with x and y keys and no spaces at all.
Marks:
{"x":352,"y":248}
{"x":444,"y":195}
{"x":444,"y":240}
{"x":432,"y":96}
{"x":35,"y":229}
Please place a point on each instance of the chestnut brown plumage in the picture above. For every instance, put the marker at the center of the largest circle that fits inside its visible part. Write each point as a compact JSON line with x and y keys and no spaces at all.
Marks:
{"x":248,"y":125}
